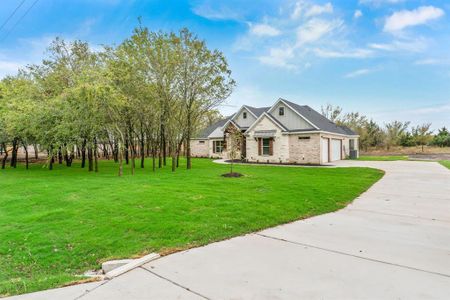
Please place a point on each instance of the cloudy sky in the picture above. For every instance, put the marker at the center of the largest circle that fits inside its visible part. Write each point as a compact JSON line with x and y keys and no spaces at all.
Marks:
{"x":388,"y":59}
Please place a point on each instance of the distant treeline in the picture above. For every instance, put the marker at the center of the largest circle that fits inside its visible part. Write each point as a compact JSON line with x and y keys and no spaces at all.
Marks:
{"x":395,"y":133}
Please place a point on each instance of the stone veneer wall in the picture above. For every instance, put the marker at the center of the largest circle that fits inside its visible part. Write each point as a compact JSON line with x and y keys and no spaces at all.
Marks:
{"x":304,"y":151}
{"x":280,"y":144}
{"x":198,"y":149}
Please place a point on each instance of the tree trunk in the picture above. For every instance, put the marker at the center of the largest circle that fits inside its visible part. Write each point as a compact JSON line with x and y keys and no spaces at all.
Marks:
{"x":25,"y":148}
{"x":153,"y":161}
{"x":90,"y":159}
{"x":83,"y":154}
{"x":13,"y":162}
{"x":142,"y":150}
{"x":60,"y":156}
{"x":188,"y":144}
{"x":173,"y":162}
{"x":126,"y":150}
{"x":95,"y":156}
{"x":4,"y":157}
{"x":50,"y":158}
{"x":36,"y":151}
{"x":120,"y":157}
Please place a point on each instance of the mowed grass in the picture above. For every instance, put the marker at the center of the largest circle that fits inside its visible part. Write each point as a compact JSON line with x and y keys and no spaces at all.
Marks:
{"x":55,"y":225}
{"x":445,"y":163}
{"x":382,"y":158}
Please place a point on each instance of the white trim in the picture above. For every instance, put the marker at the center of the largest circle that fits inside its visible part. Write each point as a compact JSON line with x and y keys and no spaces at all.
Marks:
{"x":270,"y":118}
{"x":294,"y":110}
{"x":321,"y":131}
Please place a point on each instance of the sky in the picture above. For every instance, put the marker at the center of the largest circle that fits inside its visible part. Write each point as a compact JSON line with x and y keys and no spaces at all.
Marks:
{"x":387,"y":59}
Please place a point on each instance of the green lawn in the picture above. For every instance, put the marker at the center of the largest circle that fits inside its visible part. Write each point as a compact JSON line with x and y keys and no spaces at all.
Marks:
{"x":57,"y":224}
{"x":445,"y":163}
{"x":382,"y":158}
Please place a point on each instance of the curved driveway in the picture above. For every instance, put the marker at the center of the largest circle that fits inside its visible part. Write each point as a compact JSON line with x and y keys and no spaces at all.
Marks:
{"x":393,"y":242}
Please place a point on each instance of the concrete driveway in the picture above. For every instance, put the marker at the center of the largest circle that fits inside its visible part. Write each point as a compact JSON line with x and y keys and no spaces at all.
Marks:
{"x":393,"y":242}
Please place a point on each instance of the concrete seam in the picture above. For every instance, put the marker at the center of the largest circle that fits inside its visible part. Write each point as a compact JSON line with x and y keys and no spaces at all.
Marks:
{"x":175,"y":283}
{"x":88,"y":291}
{"x":353,"y":255}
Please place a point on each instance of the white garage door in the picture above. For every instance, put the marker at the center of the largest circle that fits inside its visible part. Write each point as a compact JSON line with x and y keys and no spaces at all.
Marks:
{"x":336,"y":148}
{"x":325,"y":151}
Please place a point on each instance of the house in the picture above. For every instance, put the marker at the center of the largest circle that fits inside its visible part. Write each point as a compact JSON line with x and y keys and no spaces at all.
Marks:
{"x":282,"y":133}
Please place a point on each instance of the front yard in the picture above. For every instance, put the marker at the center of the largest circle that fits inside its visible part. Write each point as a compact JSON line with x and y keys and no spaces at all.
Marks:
{"x":55,"y":225}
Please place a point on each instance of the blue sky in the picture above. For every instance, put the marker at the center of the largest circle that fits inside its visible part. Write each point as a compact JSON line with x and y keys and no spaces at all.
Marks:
{"x":388,"y":59}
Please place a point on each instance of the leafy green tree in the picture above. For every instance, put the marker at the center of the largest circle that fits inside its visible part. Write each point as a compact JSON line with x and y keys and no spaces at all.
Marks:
{"x":422,"y":134}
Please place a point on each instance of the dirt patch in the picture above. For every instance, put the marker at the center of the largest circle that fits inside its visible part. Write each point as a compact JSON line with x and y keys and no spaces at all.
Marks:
{"x":442,"y":156}
{"x":234,"y":174}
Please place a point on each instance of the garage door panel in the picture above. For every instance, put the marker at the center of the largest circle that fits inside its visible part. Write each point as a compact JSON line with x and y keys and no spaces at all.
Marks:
{"x":336,"y":149}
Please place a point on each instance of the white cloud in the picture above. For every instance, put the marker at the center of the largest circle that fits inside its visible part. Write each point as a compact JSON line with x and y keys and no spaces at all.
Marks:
{"x":316,"y":10}
{"x":410,"y":45}
{"x":358,"y":14}
{"x":315,"y":29}
{"x":352,"y":53}
{"x":433,"y":62}
{"x":407,"y":18}
{"x":279,"y":57}
{"x":359,"y":73}
{"x":380,"y":2}
{"x":300,"y":6}
{"x":264,"y":30}
{"x":207,"y":11}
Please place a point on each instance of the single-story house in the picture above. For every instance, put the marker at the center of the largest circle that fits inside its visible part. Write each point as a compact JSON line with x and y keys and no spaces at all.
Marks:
{"x":282,"y":133}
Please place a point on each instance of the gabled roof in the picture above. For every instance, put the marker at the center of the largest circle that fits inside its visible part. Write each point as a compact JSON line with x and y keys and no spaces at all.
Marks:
{"x":257,"y":111}
{"x":321,"y":122}
{"x":208,"y":130}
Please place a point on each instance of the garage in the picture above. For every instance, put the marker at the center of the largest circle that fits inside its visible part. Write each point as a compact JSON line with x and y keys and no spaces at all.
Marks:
{"x":336,"y":149}
{"x":325,"y":150}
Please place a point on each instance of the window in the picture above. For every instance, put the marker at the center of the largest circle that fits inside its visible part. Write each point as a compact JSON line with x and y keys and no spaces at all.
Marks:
{"x":217,"y":146}
{"x":201,"y":142}
{"x":281,"y":111}
{"x":266,"y":146}
{"x":244,"y":115}
{"x":304,"y":137}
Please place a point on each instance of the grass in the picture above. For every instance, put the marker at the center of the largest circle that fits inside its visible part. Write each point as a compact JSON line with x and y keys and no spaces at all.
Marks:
{"x":382,"y":157}
{"x":445,"y":163}
{"x":55,"y":225}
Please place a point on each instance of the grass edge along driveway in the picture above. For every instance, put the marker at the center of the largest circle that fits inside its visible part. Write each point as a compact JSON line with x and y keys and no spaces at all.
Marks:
{"x":382,"y":157}
{"x":55,"y":225}
{"x":445,"y":163}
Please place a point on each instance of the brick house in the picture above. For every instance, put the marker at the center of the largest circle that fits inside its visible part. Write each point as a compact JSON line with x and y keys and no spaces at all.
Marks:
{"x":282,"y":133}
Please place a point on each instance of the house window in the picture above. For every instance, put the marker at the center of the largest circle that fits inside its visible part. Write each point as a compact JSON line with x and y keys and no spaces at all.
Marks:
{"x":304,"y":137}
{"x":201,"y":142}
{"x":266,"y":146}
{"x":217,"y":146}
{"x":281,"y":111}
{"x":244,"y":115}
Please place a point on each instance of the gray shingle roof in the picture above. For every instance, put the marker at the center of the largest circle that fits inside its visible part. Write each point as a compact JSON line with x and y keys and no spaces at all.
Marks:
{"x":318,"y":119}
{"x":257,"y":110}
{"x":208,"y":130}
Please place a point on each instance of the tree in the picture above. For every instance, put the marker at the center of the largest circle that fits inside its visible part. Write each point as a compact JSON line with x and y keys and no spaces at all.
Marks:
{"x":333,"y":113}
{"x":422,"y":134}
{"x":233,"y":138}
{"x":442,"y":139}
{"x":203,"y":82}
{"x":394,"y":131}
